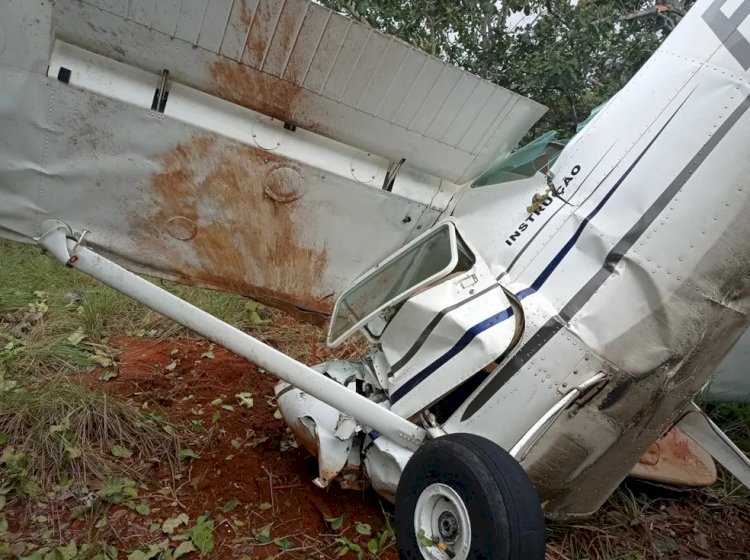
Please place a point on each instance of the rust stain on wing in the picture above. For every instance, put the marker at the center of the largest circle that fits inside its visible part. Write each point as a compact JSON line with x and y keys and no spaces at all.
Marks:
{"x":285,"y":34}
{"x":246,"y":14}
{"x":246,"y":86}
{"x":257,"y":38}
{"x":254,"y":81}
{"x":245,"y":242}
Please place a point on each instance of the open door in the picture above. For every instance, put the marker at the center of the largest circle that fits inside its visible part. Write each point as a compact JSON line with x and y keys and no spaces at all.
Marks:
{"x":437,"y":316}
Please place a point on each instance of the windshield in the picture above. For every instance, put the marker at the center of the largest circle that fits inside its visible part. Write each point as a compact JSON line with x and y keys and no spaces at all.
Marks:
{"x":424,"y":260}
{"x":536,"y":156}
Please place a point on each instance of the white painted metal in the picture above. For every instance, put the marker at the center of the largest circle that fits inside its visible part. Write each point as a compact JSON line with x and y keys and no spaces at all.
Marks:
{"x":637,"y":277}
{"x":324,"y":431}
{"x":640,"y":267}
{"x":25,"y":35}
{"x":116,"y":80}
{"x":636,"y":272}
{"x":315,"y":426}
{"x":416,"y":360}
{"x":655,"y":271}
{"x":270,"y":359}
{"x":440,"y":510}
{"x":710,"y":437}
{"x":343,"y":325}
{"x":103,"y":76}
{"x":518,"y":451}
{"x":152,"y":184}
{"x":384,"y":460}
{"x":302,"y":63}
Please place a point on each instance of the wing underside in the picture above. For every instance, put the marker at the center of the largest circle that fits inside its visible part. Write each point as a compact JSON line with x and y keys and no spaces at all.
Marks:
{"x":248,"y":146}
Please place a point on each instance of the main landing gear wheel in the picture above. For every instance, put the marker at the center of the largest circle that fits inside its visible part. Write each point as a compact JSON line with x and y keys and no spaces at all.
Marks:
{"x":461,"y":497}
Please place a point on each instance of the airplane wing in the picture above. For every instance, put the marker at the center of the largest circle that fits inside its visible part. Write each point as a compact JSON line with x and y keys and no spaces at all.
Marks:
{"x":304,"y":64}
{"x":274,"y":149}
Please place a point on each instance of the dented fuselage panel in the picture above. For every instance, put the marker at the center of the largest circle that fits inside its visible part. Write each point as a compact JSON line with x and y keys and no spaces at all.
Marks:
{"x":629,"y":267}
{"x":640,"y":260}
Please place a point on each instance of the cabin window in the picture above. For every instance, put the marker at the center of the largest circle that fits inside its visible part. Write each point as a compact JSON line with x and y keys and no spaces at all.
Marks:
{"x":536,"y":156}
{"x":421,"y":262}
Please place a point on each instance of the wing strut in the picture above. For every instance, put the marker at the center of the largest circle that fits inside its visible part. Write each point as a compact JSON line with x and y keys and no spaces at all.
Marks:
{"x":59,"y":240}
{"x":709,"y":436}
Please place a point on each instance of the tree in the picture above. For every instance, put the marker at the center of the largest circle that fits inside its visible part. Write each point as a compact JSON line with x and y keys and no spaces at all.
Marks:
{"x":570,"y":56}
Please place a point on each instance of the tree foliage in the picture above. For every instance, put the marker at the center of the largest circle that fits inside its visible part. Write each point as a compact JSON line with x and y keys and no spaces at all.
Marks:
{"x":568,"y":55}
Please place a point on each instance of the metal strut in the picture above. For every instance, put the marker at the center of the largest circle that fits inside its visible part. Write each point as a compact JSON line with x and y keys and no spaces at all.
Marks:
{"x":58,"y":240}
{"x":709,"y":436}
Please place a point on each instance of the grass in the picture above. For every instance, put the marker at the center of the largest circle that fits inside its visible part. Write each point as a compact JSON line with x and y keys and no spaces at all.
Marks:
{"x":65,"y":431}
{"x":76,"y":300}
{"x":55,"y":323}
{"x":644,"y":522}
{"x":57,"y":436}
{"x":734,"y":419}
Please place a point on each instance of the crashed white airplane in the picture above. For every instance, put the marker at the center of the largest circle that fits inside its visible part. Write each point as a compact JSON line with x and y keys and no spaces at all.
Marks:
{"x":530,"y":338}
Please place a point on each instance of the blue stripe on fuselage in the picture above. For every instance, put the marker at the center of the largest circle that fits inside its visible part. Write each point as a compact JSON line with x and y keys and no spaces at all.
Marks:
{"x":479,"y":328}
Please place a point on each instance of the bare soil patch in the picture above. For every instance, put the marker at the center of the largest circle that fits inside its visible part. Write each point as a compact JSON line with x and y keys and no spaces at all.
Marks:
{"x":248,"y":472}
{"x":257,"y":485}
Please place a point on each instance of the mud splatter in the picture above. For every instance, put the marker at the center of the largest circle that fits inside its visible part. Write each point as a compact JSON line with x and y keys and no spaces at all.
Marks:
{"x":285,"y":32}
{"x":246,"y":14}
{"x":245,"y":242}
{"x":282,"y":39}
{"x":675,"y":459}
{"x":260,"y":34}
{"x":87,"y":136}
{"x":246,"y":86}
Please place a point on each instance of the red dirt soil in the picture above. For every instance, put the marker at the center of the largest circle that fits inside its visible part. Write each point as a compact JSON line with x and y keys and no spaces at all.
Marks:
{"x":246,"y":456}
{"x":243,"y":459}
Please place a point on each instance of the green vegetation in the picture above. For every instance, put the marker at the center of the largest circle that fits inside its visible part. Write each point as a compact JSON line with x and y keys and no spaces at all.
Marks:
{"x":734,"y":419}
{"x":70,"y":301}
{"x":58,"y":437}
{"x":62,"y":430}
{"x":570,"y":56}
{"x":33,"y":286}
{"x":64,"y":440}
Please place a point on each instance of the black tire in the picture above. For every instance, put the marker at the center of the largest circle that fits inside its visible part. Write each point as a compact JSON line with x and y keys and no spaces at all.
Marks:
{"x":503,"y":508}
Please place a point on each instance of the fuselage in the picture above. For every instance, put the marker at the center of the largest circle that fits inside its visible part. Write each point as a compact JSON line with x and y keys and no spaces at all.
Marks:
{"x":637,"y":266}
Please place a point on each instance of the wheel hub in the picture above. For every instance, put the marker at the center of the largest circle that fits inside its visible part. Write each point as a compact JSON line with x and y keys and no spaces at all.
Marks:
{"x":448,"y":526}
{"x":441,"y":523}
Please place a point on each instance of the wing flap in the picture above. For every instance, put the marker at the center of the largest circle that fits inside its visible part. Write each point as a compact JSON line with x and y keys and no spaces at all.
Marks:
{"x":306,"y":65}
